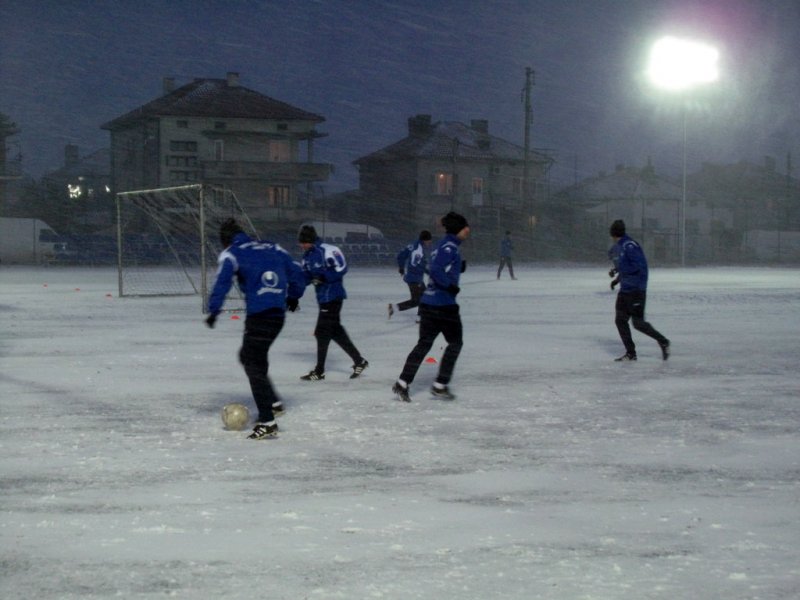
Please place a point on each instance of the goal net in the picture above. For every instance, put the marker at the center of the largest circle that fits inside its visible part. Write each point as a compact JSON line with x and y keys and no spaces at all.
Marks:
{"x":168,"y":240}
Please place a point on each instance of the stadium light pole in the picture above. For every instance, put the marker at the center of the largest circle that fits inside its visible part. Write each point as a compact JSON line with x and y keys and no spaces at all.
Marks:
{"x":677,"y":66}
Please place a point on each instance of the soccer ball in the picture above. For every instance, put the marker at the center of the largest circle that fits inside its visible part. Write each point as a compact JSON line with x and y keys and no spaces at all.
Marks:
{"x":235,"y":416}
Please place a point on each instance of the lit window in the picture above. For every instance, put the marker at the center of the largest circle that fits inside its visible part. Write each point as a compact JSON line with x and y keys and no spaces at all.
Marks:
{"x":443,"y":184}
{"x":278,"y":196}
{"x":477,"y":191}
{"x":280,"y":151}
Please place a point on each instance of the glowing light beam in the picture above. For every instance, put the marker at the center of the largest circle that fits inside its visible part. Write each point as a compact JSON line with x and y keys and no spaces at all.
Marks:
{"x":678,"y":65}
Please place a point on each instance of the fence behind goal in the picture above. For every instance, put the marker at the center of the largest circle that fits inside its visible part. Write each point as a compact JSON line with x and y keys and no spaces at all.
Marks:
{"x":168,"y":240}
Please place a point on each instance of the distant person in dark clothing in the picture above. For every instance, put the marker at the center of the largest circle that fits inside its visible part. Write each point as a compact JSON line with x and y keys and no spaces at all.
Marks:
{"x":412,"y":264}
{"x":506,"y":248}
{"x":630,"y":267}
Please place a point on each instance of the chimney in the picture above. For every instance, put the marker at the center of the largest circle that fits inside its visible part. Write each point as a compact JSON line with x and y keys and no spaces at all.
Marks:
{"x":480,"y":125}
{"x":233,"y":79}
{"x":168,"y":84}
{"x":419,"y":125}
{"x":71,"y":155}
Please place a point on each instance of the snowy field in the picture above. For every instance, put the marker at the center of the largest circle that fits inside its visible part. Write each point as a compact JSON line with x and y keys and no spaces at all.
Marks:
{"x":556,"y":474}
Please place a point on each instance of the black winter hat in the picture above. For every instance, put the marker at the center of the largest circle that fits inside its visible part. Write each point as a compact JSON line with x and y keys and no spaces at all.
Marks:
{"x":617,"y":228}
{"x":307,"y":234}
{"x":454,"y":222}
{"x":228,"y":230}
{"x":425,"y":235}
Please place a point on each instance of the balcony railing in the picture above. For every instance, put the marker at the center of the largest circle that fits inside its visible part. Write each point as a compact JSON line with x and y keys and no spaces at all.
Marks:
{"x":284,"y":172}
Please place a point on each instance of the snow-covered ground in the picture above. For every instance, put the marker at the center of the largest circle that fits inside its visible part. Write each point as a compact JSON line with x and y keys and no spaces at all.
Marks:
{"x":556,"y":474}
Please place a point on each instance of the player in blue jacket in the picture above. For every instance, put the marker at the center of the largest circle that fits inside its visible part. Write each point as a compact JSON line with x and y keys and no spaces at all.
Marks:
{"x":630,"y":271}
{"x":271,"y":282}
{"x":324,"y":267}
{"x":412,"y":264}
{"x":506,"y":248}
{"x":439,"y":312}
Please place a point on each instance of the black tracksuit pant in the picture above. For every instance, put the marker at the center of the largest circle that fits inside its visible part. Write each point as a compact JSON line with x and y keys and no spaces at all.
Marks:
{"x":260,"y":330}
{"x":630,"y":305}
{"x":416,"y":290}
{"x":329,"y":328}
{"x":433,"y":321}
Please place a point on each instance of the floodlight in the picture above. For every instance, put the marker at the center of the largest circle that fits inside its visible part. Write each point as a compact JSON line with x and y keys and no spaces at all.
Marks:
{"x":677,"y":64}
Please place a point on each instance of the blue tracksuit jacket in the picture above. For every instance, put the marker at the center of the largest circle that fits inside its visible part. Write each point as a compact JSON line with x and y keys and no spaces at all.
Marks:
{"x":506,"y":246}
{"x":265,"y":273}
{"x":324,"y":266}
{"x":445,"y":270}
{"x":412,"y":259}
{"x":631,"y":264}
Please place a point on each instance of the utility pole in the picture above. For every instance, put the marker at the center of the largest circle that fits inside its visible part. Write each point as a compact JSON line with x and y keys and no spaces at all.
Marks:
{"x":530,"y":76}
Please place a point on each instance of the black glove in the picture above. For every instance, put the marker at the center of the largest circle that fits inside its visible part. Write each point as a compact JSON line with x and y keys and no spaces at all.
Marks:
{"x":612,"y":272}
{"x":401,"y":270}
{"x":453,"y":289}
{"x":211,"y":320}
{"x":463,"y":266}
{"x":318,"y":279}
{"x":614,"y":283}
{"x":292,"y":304}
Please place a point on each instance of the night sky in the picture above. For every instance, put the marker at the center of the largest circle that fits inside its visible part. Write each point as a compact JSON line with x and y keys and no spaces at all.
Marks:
{"x":68,"y":66}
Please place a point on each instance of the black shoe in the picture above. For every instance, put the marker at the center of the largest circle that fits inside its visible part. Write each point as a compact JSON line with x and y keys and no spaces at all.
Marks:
{"x":628,"y":356}
{"x":263,"y":431}
{"x":402,"y":392}
{"x":277,"y":408}
{"x":313,"y":376}
{"x":443,"y":393}
{"x":359,"y":368}
{"x":664,"y":349}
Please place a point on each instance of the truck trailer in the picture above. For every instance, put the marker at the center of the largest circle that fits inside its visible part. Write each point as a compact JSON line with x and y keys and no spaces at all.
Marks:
{"x":28,"y":242}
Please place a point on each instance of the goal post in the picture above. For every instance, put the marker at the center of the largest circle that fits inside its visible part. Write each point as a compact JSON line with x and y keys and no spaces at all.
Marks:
{"x":168,"y":239}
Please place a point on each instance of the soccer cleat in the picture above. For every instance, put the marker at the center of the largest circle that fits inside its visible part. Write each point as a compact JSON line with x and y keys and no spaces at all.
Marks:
{"x":359,"y":368}
{"x":628,"y":356}
{"x":442,"y":392}
{"x":277,"y":408}
{"x":664,"y":350}
{"x":313,"y":376}
{"x":402,"y":392}
{"x":263,"y":431}
{"x":390,"y":310}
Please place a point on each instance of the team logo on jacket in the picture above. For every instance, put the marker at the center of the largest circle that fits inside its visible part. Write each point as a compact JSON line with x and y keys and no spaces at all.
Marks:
{"x":269,"y":283}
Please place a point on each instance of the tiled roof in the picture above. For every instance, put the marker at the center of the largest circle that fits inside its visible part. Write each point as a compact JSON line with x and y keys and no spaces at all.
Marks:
{"x":214,"y":98}
{"x":625,"y":183}
{"x":449,"y":139}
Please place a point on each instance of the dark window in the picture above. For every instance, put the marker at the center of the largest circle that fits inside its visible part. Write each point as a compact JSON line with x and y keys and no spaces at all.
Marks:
{"x":180,"y":146}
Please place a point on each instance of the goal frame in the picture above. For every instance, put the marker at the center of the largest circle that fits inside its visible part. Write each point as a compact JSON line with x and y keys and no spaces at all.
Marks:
{"x":209,"y":246}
